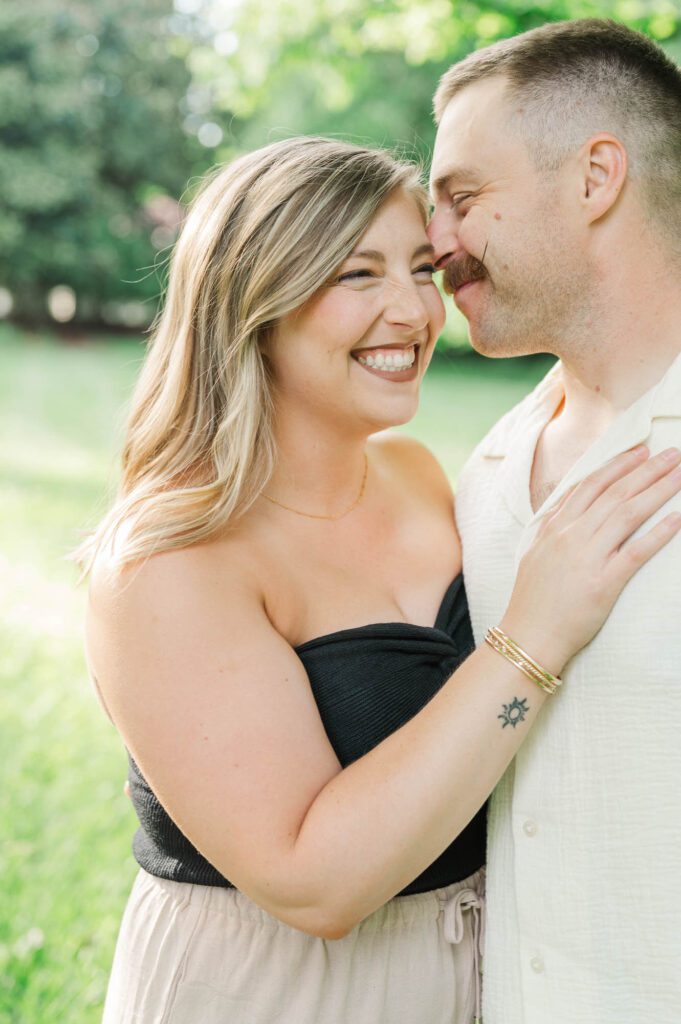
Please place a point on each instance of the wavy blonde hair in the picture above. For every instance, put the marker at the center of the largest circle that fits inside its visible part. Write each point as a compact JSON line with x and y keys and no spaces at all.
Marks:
{"x":262,"y":236}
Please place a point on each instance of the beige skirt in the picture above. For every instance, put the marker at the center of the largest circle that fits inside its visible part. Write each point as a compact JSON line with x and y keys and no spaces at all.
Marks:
{"x":191,"y":954}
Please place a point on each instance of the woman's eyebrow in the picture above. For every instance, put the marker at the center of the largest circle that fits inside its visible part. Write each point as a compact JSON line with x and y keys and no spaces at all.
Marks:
{"x":424,"y":250}
{"x":374,"y":254}
{"x":369,"y":254}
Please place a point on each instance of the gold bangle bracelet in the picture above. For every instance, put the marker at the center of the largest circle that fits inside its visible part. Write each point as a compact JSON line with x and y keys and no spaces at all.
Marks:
{"x":509,"y":649}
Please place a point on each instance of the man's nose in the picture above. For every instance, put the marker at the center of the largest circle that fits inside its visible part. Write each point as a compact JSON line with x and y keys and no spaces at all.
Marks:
{"x":443,"y":237}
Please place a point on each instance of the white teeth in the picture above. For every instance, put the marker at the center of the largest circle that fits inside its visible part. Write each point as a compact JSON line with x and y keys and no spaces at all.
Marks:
{"x":392,"y":362}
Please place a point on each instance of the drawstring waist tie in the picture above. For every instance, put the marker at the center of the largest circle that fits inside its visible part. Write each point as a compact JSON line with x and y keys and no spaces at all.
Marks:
{"x":453,"y":909}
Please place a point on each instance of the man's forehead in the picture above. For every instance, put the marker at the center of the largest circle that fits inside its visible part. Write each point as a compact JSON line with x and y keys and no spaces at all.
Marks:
{"x":469,"y":135}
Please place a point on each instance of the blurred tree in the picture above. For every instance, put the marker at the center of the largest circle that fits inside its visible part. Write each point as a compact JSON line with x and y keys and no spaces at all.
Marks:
{"x":108,"y":107}
{"x":91,"y":140}
{"x":367,"y":69}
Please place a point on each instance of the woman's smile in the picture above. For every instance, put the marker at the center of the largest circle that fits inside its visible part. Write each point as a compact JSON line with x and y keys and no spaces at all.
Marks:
{"x":396,"y":363}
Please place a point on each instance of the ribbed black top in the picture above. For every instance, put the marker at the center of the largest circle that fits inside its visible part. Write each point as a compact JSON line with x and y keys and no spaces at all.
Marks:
{"x":367,"y":682}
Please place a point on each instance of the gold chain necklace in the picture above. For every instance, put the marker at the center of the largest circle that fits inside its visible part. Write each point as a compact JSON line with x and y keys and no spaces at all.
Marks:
{"x":338,"y":515}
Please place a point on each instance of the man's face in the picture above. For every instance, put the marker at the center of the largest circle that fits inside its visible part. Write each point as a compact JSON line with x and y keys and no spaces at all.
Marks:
{"x":503,"y":231}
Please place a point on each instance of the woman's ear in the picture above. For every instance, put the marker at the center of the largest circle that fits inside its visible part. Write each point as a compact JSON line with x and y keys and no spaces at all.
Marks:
{"x":603,"y":168}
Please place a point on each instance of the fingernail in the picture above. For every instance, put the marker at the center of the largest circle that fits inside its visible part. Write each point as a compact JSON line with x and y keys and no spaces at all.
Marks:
{"x":675,"y":474}
{"x":670,"y":454}
{"x":640,"y":449}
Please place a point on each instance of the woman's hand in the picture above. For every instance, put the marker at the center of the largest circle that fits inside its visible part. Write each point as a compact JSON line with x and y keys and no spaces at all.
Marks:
{"x":584,"y":554}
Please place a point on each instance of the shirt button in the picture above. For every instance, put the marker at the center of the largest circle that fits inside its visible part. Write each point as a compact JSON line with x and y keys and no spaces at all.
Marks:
{"x":537,"y":964}
{"x":530,"y":828}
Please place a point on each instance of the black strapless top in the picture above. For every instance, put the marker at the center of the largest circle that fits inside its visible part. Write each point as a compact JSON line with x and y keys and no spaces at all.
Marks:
{"x":367,"y":682}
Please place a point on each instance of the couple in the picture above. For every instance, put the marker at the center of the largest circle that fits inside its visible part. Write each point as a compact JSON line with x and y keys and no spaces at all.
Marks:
{"x":314,"y":729}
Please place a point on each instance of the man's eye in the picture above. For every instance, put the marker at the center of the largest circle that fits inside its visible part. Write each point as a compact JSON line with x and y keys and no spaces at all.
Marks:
{"x":459,"y":199}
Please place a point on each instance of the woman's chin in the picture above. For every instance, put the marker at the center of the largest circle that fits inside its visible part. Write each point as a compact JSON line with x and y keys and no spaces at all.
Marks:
{"x":400,"y":413}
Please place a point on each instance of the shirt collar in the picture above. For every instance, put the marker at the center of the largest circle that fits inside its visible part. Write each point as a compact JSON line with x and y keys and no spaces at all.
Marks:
{"x":663,"y":400}
{"x":515,"y":441}
{"x":633,"y":426}
{"x":537,"y":407}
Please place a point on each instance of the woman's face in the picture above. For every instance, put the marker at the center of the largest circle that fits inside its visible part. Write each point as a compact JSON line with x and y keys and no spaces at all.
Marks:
{"x":355,"y":354}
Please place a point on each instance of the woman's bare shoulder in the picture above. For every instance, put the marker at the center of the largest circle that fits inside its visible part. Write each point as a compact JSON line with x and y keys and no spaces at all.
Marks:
{"x":222,"y":564}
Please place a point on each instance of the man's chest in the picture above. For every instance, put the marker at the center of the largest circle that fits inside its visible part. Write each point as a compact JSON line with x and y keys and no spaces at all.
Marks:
{"x":558,"y":449}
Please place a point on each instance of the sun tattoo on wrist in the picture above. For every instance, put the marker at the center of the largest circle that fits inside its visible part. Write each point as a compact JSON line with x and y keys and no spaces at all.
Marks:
{"x":514,"y":712}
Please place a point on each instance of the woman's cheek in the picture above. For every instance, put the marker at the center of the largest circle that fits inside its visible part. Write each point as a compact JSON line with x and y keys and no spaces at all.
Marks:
{"x":437,"y":313}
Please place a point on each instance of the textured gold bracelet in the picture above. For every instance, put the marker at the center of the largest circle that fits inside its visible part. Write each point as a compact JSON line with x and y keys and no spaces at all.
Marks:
{"x":510,"y":650}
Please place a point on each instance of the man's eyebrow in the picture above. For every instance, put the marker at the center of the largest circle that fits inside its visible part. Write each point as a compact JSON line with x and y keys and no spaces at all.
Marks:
{"x":453,"y":176}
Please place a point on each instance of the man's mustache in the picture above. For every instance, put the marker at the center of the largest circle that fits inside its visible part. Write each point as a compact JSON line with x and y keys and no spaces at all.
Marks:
{"x":462,"y":270}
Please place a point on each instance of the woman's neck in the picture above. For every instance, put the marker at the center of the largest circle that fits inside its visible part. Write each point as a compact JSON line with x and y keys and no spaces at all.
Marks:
{"x":319,"y":469}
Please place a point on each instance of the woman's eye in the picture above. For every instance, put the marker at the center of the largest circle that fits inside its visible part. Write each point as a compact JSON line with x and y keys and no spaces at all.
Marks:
{"x":355,"y":275}
{"x":427,"y":268}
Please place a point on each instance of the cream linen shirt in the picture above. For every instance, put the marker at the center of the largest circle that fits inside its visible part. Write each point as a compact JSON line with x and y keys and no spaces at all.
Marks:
{"x":584,"y":858}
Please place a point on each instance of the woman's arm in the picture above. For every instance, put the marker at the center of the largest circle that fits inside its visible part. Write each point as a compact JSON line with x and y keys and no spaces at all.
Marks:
{"x":217,"y":710}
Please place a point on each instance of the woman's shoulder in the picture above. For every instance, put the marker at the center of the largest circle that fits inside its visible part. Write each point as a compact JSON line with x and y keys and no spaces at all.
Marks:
{"x":412,"y":462}
{"x":169,"y":577}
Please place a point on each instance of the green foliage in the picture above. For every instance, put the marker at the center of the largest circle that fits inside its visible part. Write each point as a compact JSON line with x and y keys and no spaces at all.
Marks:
{"x":365,"y":69}
{"x":90,"y":131}
{"x":108,"y":109}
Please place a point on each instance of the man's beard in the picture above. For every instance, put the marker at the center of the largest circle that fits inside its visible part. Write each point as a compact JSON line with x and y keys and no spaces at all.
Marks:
{"x":463,"y":270}
{"x":507,"y":319}
{"x":537,"y":307}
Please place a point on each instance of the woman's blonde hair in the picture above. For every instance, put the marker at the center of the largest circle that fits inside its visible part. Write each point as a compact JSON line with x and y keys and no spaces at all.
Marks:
{"x":261,"y":237}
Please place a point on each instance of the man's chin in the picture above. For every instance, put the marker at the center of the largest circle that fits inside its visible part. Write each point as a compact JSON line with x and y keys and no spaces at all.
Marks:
{"x":490,"y":350}
{"x":495,"y":347}
{"x":484,"y":345}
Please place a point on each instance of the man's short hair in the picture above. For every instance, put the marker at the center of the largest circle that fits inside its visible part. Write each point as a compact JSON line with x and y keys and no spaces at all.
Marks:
{"x":568,"y":80}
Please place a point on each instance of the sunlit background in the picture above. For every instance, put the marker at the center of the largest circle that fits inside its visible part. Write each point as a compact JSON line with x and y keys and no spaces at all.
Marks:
{"x":110,"y":111}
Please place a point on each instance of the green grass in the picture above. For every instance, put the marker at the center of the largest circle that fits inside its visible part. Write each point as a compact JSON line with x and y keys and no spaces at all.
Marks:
{"x":65,"y":862}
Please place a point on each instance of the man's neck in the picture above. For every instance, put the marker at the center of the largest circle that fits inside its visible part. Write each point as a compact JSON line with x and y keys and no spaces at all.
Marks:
{"x":634,"y":339}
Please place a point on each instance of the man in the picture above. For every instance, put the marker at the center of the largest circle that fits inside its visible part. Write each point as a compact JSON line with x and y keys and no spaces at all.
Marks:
{"x":557,"y":188}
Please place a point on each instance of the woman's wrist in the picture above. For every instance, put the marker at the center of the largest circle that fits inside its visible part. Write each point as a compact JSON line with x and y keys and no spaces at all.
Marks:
{"x":504,"y":645}
{"x":542,"y":645}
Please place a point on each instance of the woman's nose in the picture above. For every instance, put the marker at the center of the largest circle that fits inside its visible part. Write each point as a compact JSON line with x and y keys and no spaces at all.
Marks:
{"x":406,"y":306}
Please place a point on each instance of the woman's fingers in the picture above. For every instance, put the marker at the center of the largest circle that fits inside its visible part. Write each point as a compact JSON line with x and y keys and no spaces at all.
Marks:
{"x":646,"y":482}
{"x":584,"y":494}
{"x":592,"y":553}
{"x":636,"y":553}
{"x":602,"y":492}
{"x":626,"y":517}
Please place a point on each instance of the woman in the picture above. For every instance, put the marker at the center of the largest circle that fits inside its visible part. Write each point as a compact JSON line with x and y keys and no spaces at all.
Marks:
{"x":312,"y":741}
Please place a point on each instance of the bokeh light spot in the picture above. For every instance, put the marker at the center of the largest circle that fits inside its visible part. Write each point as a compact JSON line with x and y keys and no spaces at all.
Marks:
{"x":61,"y":302}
